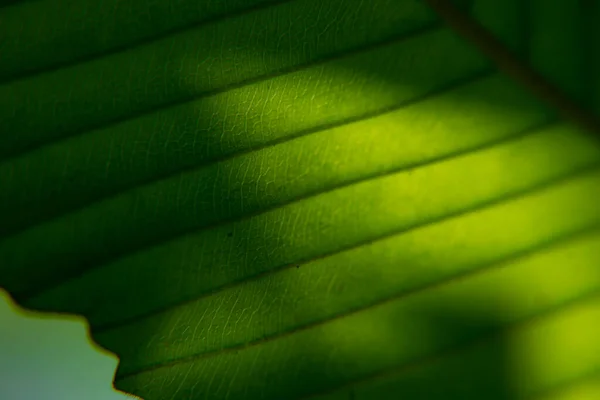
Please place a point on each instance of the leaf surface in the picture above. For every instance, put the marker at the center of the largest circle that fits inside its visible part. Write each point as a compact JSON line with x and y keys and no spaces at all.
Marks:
{"x":344,"y":199}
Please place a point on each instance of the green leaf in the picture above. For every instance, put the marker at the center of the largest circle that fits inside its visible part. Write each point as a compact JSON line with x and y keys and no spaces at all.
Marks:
{"x":342,"y":199}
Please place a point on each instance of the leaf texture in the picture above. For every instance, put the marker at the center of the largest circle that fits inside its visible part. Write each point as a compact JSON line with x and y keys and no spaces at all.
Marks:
{"x":343,"y":199}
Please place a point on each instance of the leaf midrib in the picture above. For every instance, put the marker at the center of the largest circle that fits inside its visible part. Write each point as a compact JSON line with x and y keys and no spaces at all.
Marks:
{"x":506,"y":61}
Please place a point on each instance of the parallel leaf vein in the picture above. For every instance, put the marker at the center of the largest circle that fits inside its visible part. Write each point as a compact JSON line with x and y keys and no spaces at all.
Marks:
{"x":98,"y":263}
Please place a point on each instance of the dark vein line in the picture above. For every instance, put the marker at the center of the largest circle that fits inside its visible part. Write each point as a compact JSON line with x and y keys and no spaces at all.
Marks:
{"x":541,"y":88}
{"x":503,"y":262}
{"x":123,"y":48}
{"x":96,"y":263}
{"x":186,"y":168}
{"x":334,"y":56}
{"x":463,"y":346}
{"x":99,"y":328}
{"x":511,"y":65}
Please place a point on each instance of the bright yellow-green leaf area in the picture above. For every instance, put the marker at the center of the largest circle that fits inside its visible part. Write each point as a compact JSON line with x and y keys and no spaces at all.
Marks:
{"x":293,"y":199}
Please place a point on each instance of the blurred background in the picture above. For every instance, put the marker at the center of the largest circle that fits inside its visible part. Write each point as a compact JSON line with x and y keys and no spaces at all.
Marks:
{"x":47,"y":356}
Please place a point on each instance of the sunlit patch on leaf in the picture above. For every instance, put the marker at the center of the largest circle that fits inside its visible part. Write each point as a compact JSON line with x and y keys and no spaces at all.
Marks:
{"x":304,"y":199}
